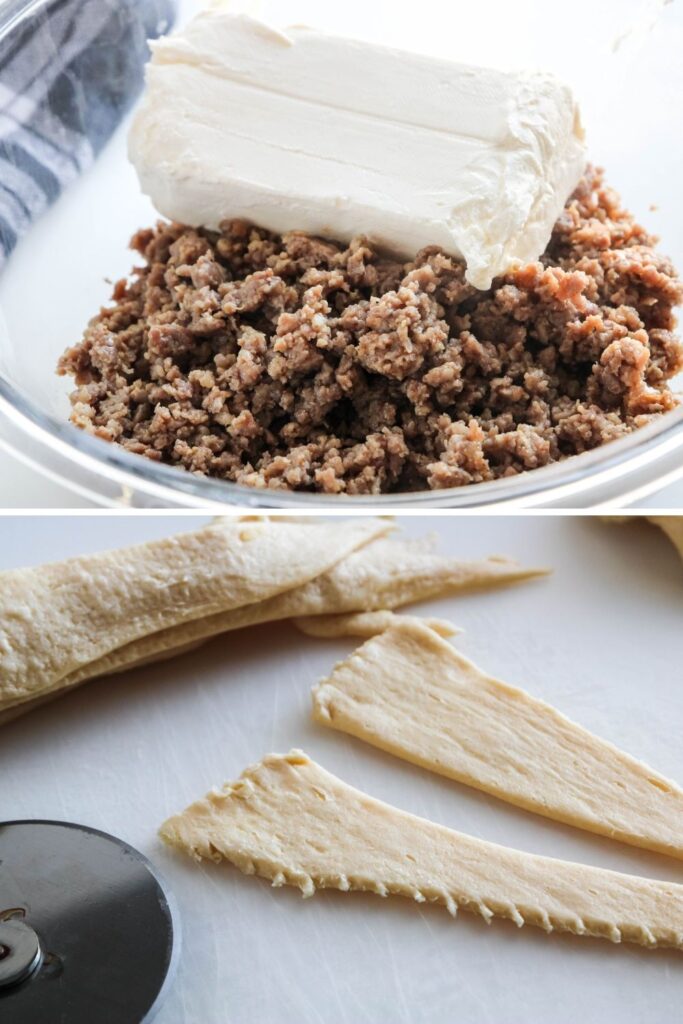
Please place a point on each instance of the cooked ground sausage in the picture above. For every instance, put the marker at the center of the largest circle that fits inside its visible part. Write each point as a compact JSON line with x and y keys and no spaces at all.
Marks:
{"x":298,"y":363}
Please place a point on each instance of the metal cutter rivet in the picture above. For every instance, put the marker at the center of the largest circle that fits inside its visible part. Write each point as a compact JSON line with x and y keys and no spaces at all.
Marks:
{"x":20,"y":952}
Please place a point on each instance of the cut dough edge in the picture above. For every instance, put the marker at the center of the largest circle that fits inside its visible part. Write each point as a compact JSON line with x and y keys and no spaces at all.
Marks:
{"x":384,"y":573}
{"x":412,"y":695}
{"x":290,"y":821}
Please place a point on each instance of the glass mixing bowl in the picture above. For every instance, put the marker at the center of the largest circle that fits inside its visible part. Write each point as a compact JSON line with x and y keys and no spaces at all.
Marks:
{"x":62,"y":271}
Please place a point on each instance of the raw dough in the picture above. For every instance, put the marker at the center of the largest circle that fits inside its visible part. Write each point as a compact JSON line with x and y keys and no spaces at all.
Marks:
{"x":17,"y":710}
{"x":384,"y":574}
{"x":290,"y":821}
{"x":410,"y":693}
{"x":365,"y":624}
{"x":56,"y":619}
{"x":388,"y":573}
{"x":672,"y":527}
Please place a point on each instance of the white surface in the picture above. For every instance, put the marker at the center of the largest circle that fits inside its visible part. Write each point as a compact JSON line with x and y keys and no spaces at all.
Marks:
{"x":632,"y":102}
{"x":23,"y":487}
{"x":600,"y":640}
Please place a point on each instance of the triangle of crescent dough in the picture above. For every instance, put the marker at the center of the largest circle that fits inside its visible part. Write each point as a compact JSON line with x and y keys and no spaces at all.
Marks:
{"x":411,"y":694}
{"x":288,"y":820}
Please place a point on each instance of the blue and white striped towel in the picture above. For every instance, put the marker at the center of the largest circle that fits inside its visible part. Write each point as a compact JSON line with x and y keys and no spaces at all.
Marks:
{"x":69,"y":70}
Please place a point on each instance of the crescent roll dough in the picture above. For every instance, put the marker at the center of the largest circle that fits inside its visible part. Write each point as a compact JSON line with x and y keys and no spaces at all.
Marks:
{"x":383,"y":574}
{"x":365,"y":624}
{"x":57,"y":619}
{"x":672,"y":527}
{"x":410,"y":693}
{"x":288,"y":820}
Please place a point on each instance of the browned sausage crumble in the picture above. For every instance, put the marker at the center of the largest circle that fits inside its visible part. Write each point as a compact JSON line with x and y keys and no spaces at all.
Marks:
{"x":296,"y":363}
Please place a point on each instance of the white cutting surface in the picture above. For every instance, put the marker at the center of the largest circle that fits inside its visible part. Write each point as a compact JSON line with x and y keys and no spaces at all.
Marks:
{"x":600,"y":639}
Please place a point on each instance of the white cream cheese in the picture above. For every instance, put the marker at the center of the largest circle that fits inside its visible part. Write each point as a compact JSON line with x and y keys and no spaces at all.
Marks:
{"x":300,"y":130}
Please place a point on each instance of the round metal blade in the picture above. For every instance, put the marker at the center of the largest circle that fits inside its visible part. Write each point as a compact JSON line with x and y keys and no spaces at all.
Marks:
{"x":100,"y":917}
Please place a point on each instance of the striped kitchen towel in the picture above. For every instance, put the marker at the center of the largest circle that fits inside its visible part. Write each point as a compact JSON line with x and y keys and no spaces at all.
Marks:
{"x":69,"y":70}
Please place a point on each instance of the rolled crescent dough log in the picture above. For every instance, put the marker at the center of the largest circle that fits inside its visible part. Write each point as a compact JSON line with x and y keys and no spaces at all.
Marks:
{"x":288,"y":820}
{"x":411,"y":694}
{"x":55,"y":619}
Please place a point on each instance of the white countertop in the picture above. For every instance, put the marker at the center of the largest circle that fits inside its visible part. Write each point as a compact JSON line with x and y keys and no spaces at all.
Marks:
{"x":600,"y":639}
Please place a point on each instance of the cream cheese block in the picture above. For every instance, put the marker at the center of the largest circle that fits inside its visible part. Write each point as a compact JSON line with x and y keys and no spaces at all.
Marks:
{"x":298,"y":130}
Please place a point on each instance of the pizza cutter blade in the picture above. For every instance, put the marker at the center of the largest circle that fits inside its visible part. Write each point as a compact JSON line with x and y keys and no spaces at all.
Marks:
{"x":86,"y":928}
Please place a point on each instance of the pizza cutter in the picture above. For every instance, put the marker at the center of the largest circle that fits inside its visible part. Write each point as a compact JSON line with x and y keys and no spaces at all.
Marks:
{"x":86,"y":927}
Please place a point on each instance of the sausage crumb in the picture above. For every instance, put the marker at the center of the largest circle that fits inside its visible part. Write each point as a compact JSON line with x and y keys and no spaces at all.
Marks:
{"x":296,"y":363}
